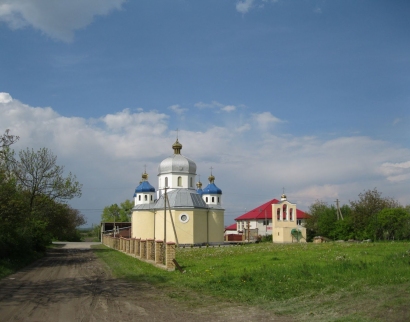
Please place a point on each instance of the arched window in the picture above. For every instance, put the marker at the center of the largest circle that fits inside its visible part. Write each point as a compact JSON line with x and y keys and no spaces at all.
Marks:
{"x":206,"y":199}
{"x":190,"y":182}
{"x":179,"y":181}
{"x":139,"y":197}
{"x":151,"y":197}
{"x":291,"y":214}
{"x":213,"y":199}
{"x":284,"y":212}
{"x":166,"y":181}
{"x":145,"y":197}
{"x":218,"y":199}
{"x":278,"y":214}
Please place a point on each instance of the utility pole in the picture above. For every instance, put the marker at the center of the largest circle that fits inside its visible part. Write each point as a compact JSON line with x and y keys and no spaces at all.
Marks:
{"x":338,"y":212}
{"x":165,"y":216}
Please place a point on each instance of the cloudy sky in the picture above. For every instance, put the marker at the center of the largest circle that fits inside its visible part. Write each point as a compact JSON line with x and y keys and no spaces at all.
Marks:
{"x":311,"y":96}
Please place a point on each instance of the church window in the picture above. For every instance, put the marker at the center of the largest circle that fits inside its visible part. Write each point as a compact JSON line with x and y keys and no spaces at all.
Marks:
{"x":206,"y":199}
{"x":166,"y":181}
{"x":213,"y":199}
{"x":139,"y":197}
{"x":291,"y":214}
{"x":218,"y":199}
{"x":179,"y":181}
{"x":145,"y":197}
{"x":284,"y":212}
{"x":151,"y":197}
{"x":190,"y":182}
{"x":278,"y":214}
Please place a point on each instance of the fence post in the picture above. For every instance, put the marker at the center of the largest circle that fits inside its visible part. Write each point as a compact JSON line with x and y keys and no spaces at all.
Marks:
{"x":143,"y":249}
{"x":170,"y":255}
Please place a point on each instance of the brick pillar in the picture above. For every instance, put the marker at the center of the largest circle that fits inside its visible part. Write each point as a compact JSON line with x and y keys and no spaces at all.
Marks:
{"x":150,"y":249}
{"x":143,"y":249}
{"x":138,"y":247}
{"x":159,"y":259}
{"x":132,"y":244}
{"x":170,"y":255}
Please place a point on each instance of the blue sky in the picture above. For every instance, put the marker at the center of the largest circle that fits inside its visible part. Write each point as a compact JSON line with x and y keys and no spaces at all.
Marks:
{"x":308,"y":95}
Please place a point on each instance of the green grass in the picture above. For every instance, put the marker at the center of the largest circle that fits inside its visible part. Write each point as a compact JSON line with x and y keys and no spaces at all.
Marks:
{"x":328,"y":282}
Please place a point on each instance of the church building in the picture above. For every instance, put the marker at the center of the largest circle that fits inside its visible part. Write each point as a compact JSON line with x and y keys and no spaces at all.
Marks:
{"x":179,"y":210}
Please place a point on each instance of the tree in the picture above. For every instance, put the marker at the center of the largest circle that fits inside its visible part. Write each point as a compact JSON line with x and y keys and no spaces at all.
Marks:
{"x":117,"y":213}
{"x":38,"y":174}
{"x":393,"y":223}
{"x":7,"y":139}
{"x":364,"y":212}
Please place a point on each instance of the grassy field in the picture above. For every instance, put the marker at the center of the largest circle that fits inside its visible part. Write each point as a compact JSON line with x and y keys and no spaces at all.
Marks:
{"x":321,"y":282}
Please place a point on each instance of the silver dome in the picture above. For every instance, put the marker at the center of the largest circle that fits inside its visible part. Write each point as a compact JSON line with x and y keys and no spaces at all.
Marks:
{"x":177,"y":164}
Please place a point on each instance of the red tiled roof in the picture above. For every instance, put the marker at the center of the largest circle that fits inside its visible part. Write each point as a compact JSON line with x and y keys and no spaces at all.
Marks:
{"x":231,"y":227}
{"x":266,"y":210}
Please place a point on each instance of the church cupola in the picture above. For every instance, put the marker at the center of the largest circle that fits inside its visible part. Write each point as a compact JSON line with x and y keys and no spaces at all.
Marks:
{"x":177,"y":147}
{"x":199,"y":187}
{"x":176,"y":172}
{"x":145,"y":192}
{"x":211,"y":194}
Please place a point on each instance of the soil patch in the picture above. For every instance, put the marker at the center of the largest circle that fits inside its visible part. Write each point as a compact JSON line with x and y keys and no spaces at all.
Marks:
{"x":71,"y":284}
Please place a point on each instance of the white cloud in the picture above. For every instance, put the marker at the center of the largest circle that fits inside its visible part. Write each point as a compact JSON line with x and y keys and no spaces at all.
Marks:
{"x":244,"y":6}
{"x":265,"y":119}
{"x":5,"y":98}
{"x":243,"y":128}
{"x":177,"y":109}
{"x":228,"y":108}
{"x":108,"y":155}
{"x":216,"y":105}
{"x":58,"y":19}
{"x":396,"y":172}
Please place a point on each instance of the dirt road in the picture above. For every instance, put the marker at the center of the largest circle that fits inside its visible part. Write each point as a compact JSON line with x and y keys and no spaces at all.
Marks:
{"x":71,"y":284}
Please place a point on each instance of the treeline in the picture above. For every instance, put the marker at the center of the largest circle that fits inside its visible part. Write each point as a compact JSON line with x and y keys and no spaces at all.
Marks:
{"x":370,"y":217}
{"x":33,"y":195}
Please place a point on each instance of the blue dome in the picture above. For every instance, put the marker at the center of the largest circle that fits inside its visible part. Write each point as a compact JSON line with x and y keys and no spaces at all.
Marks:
{"x":199,"y":191}
{"x":212,"y":189}
{"x":144,"y":187}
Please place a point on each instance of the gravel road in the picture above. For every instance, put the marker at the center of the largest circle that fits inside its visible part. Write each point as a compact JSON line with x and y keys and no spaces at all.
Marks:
{"x":71,"y":284}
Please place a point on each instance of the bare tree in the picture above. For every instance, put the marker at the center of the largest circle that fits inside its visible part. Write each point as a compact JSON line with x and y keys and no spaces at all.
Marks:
{"x":38,"y":174}
{"x":7,"y":139}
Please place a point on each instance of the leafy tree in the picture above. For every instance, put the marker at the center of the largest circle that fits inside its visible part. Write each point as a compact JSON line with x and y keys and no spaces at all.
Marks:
{"x":117,"y":213}
{"x":365,"y":209}
{"x":393,"y":223}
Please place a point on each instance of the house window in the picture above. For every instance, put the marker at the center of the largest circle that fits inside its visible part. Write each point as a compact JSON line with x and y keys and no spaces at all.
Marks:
{"x":166,"y":181}
{"x":179,"y":182}
{"x":284,"y":212}
{"x":299,"y":222}
{"x":278,"y":214}
{"x":291,"y":214}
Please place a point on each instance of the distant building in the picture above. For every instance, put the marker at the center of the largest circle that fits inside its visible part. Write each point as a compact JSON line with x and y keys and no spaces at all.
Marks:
{"x":195,"y":213}
{"x":287,"y":224}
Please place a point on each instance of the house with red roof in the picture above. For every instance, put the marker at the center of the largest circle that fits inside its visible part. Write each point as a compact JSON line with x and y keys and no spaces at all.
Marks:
{"x":287,"y":224}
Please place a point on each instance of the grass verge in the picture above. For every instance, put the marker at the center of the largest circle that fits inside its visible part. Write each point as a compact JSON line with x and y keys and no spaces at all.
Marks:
{"x":321,"y":282}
